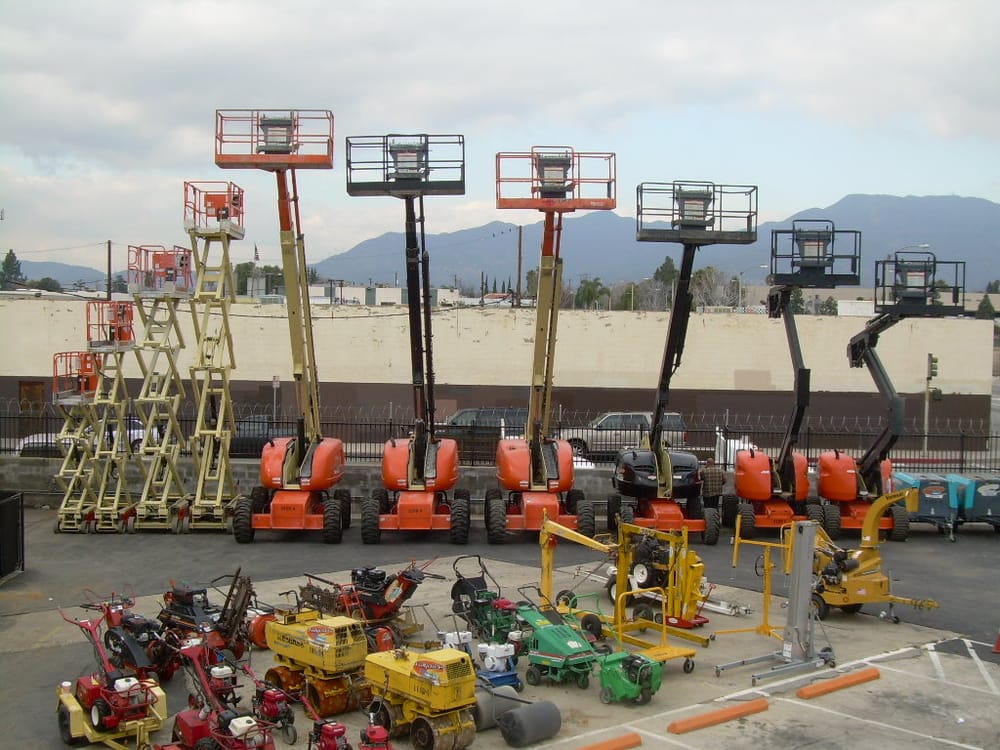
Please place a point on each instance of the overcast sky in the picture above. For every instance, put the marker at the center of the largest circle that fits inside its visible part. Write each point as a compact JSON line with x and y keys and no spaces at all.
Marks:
{"x":108,"y":107}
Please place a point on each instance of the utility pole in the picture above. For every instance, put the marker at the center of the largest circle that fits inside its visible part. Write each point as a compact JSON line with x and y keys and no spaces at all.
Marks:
{"x":109,"y":270}
{"x":517,"y":300}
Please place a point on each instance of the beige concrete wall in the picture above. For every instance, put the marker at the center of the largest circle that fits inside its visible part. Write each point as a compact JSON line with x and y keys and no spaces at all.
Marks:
{"x":610,"y":349}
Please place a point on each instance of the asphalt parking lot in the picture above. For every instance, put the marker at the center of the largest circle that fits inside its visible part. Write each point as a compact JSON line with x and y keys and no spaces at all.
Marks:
{"x":938,"y":683}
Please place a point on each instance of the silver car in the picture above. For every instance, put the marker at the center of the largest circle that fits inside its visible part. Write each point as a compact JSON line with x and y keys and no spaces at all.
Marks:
{"x":610,"y":432}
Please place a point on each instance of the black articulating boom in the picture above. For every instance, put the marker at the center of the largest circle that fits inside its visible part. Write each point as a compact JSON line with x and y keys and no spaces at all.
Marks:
{"x":779,"y":305}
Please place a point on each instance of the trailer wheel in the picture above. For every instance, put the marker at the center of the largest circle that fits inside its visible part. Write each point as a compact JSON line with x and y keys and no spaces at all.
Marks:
{"x":900,"y":523}
{"x":460,"y":517}
{"x":243,"y":531}
{"x":820,"y":607}
{"x":496,"y":519}
{"x":586,"y":524}
{"x":748,"y":520}
{"x":613,"y":506}
{"x":370,"y":532}
{"x":333,"y":531}
{"x":730,"y":507}
{"x":344,"y":498}
{"x":831,"y":520}
{"x":710,"y":536}
{"x":65,"y":731}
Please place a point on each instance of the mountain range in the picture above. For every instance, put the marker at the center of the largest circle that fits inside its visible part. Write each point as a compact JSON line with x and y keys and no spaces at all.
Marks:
{"x":602,"y":245}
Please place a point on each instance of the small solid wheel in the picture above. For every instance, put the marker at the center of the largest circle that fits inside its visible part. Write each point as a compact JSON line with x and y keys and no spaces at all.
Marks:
{"x":591,"y":623}
{"x":99,"y":712}
{"x":583,"y":680}
{"x":644,"y":697}
{"x":65,"y":728}
{"x":895,"y":619}
{"x":565,"y":597}
{"x":518,"y":685}
{"x":533,"y":675}
{"x":688,"y":665}
{"x":605,"y":695}
{"x":289,"y":733}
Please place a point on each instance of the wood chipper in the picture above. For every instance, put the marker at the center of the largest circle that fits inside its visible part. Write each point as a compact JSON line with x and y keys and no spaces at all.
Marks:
{"x":695,"y":214}
{"x":419,"y":472}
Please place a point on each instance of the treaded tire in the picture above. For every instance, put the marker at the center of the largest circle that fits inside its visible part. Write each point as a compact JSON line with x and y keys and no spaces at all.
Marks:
{"x":573,"y":498}
{"x":460,"y":521}
{"x":815,"y":513}
{"x":260,"y":499}
{"x":713,"y":525}
{"x":243,"y":531}
{"x":382,"y":496}
{"x":820,"y":607}
{"x":344,"y":498}
{"x":496,"y":519}
{"x":627,"y":513}
{"x":695,"y":508}
{"x":831,"y":520}
{"x":748,"y":520}
{"x":730,"y":507}
{"x":333,"y":531}
{"x":492,"y":494}
{"x":586,"y":524}
{"x":370,"y":532}
{"x":64,"y":728}
{"x":614,"y":506}
{"x":900,"y":523}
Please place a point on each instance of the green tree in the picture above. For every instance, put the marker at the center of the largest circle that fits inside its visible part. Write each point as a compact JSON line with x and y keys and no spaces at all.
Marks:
{"x":666,"y":274}
{"x":589,"y":292}
{"x":531,"y":283}
{"x":47,"y":284}
{"x":711,"y":287}
{"x":828,"y":306}
{"x":993,"y":287}
{"x":312,"y":275}
{"x":985,"y":311}
{"x":10,"y":272}
{"x":798,"y":301}
{"x":119,"y":285}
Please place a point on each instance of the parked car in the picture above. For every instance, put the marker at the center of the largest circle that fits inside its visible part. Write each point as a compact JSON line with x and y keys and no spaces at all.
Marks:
{"x":610,"y":432}
{"x":46,"y":445}
{"x":478,"y":429}
{"x":251,"y":434}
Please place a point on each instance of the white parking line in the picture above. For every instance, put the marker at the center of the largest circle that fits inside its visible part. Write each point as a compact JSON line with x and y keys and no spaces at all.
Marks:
{"x":881,"y":724}
{"x":936,"y":661}
{"x":982,"y":667}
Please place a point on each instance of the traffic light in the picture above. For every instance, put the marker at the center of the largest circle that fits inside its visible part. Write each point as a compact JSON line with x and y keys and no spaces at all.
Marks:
{"x":932,"y":366}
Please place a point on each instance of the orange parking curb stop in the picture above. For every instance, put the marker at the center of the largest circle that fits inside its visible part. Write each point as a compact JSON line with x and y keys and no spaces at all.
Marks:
{"x":616,"y":743}
{"x":718,"y":716}
{"x":837,"y":683}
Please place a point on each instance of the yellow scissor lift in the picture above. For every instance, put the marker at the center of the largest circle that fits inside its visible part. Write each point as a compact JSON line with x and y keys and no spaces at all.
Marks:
{"x":213,"y":217}
{"x":110,"y":333}
{"x":74,"y":383}
{"x":159,"y":280}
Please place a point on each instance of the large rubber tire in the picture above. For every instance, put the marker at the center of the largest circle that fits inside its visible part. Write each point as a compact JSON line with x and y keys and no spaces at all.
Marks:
{"x":730,"y":507}
{"x":815,"y":514}
{"x":900,"y":530}
{"x":381,"y":496}
{"x":695,"y":508}
{"x":65,"y":733}
{"x":748,"y":520}
{"x":260,"y":499}
{"x":496,"y":519}
{"x":627,"y":513}
{"x":851,"y":609}
{"x":613,"y":507}
{"x":243,"y":531}
{"x":460,"y":518}
{"x":492,"y":494}
{"x":333,"y":530}
{"x":344,"y":498}
{"x":591,"y":623}
{"x":586,"y":523}
{"x":713,"y":526}
{"x":573,"y":498}
{"x":370,"y":532}
{"x":831,"y":520}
